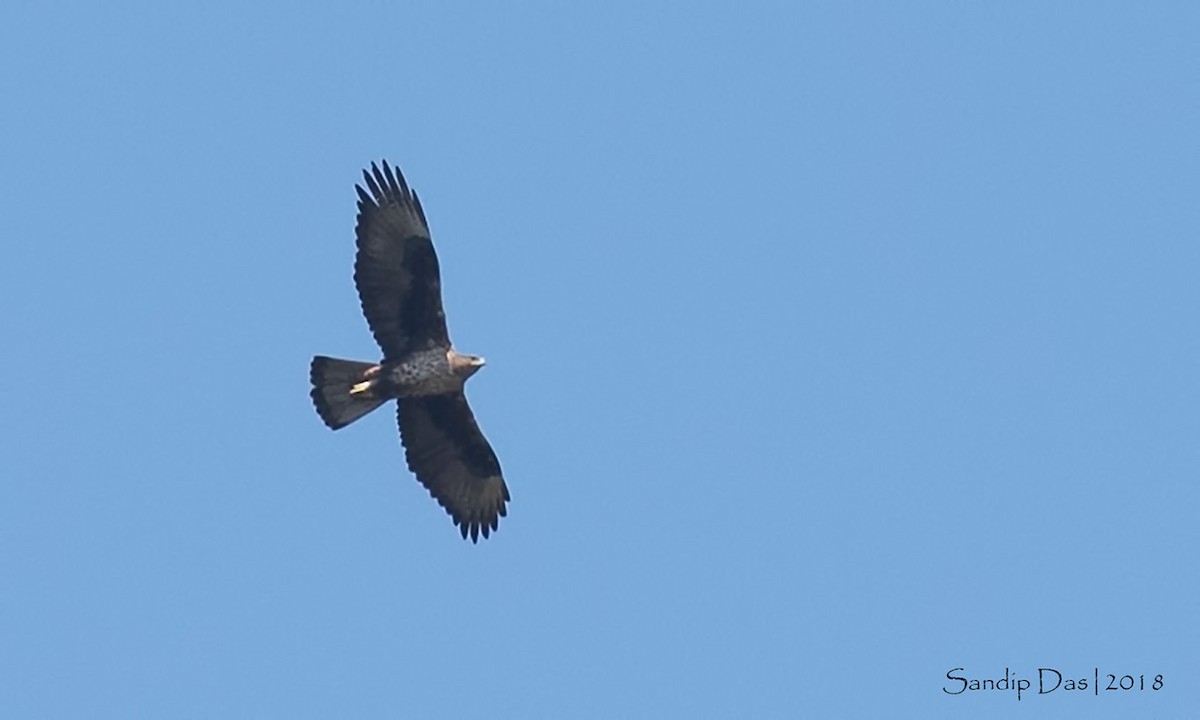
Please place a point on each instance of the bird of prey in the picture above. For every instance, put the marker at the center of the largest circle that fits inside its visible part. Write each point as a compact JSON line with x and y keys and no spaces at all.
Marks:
{"x":399,"y":285}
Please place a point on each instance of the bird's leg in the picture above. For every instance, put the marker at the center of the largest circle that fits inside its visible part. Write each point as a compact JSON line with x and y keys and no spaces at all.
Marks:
{"x":371,"y":376}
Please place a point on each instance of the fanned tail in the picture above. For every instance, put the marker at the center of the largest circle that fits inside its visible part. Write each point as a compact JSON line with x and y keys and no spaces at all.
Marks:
{"x":332,"y":379}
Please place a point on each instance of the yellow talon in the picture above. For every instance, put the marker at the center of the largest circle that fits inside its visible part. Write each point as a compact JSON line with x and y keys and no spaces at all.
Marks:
{"x":361,"y":387}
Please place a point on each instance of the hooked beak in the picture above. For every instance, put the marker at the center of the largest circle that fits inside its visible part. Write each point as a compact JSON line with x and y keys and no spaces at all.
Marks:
{"x":478,"y":361}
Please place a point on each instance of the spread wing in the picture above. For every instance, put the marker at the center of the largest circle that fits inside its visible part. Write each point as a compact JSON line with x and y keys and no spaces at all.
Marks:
{"x":396,"y":270}
{"x":449,"y":455}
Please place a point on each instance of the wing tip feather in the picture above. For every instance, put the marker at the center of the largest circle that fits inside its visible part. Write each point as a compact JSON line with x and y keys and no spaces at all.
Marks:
{"x":387,"y":186}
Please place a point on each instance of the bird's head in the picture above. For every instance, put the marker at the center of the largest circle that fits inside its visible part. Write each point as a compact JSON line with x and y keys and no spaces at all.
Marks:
{"x":465,"y":365}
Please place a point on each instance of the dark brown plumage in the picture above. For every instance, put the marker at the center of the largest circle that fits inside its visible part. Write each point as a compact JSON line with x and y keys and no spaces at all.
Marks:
{"x":399,"y":285}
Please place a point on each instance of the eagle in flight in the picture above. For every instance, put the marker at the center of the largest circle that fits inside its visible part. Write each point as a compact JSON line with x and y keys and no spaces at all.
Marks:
{"x":399,"y":286}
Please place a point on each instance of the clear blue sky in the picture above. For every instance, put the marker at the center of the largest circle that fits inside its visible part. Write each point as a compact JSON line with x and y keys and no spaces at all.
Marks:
{"x":831,"y":347}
